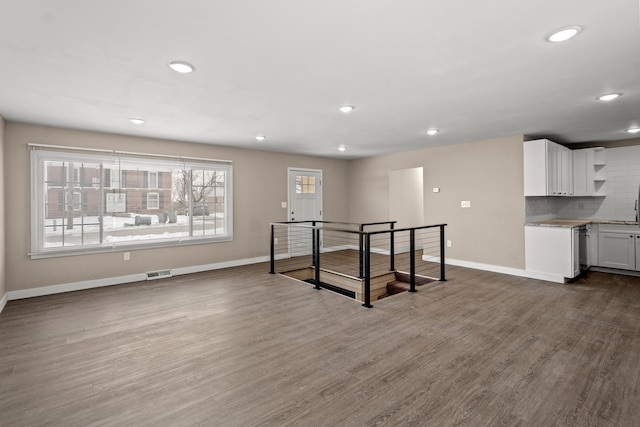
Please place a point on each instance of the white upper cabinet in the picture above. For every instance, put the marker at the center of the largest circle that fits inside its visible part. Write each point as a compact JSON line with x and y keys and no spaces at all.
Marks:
{"x":548,"y":169}
{"x":589,"y":173}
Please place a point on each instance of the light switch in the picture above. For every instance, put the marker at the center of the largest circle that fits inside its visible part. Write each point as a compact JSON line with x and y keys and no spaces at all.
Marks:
{"x":284,"y":205}
{"x":465,"y":204}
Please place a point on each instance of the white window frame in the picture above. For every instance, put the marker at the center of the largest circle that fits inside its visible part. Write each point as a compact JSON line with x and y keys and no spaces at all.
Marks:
{"x":40,"y":154}
{"x":77,"y":207}
{"x":156,"y":204}
{"x":152,"y":183}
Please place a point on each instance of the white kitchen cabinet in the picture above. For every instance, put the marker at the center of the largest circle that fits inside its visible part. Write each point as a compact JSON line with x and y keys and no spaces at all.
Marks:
{"x":589,"y":173}
{"x":582,"y":173}
{"x":617,"y":247}
{"x":548,"y":169}
{"x":637,"y":252}
{"x":566,"y":171}
{"x":552,"y":250}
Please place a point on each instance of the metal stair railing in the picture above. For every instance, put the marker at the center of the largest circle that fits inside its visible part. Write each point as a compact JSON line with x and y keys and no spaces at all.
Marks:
{"x":429,"y":237}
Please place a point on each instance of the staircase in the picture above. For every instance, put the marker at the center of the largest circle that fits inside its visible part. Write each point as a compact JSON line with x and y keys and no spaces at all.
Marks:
{"x":403,"y":282}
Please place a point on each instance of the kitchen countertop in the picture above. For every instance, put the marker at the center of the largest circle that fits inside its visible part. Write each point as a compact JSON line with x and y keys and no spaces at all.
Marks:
{"x":572,"y":222}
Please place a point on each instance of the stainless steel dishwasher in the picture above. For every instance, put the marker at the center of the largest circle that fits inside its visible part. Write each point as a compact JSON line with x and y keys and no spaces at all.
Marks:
{"x":583,"y":246}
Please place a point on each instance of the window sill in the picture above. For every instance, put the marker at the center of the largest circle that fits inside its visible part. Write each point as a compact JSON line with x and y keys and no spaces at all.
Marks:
{"x":123,"y":247}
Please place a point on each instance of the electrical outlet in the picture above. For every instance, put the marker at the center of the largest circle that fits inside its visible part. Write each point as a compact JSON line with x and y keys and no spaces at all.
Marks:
{"x":275,"y":240}
{"x":465,"y":204}
{"x":284,"y":205}
{"x":448,"y":243}
{"x":127,"y":256}
{"x":436,"y":189}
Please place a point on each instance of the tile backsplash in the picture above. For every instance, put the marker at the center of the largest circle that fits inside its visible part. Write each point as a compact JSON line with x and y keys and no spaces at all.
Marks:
{"x":623,"y":179}
{"x":541,"y":208}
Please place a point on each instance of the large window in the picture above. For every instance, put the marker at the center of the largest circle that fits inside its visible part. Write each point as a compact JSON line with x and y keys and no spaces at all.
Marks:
{"x":85,"y":201}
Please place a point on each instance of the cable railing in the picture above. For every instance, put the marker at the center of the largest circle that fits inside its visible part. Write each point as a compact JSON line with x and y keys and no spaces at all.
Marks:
{"x":357,"y":260}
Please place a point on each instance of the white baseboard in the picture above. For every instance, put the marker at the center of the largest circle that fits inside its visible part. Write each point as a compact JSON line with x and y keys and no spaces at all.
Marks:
{"x":3,"y":301}
{"x":75,"y":286}
{"x":220,"y":265}
{"x":119,"y":280}
{"x":338,"y":248}
{"x":499,"y":269}
{"x":98,"y":283}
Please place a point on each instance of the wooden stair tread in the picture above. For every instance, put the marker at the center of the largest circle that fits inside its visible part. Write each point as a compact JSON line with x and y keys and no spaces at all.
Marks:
{"x":402,"y":283}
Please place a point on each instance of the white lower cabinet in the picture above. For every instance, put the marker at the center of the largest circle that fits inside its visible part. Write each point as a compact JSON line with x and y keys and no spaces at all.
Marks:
{"x":556,"y":252}
{"x":617,"y":250}
{"x":637,"y":252}
{"x":619,"y":247}
{"x":552,"y":250}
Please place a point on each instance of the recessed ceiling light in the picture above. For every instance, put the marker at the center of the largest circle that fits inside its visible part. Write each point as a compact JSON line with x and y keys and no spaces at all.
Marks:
{"x":609,"y":96}
{"x":181,"y":67}
{"x":136,"y":120}
{"x":346,"y":108}
{"x":261,"y":137}
{"x":432,"y":131}
{"x":342,"y":148}
{"x":564,"y":34}
{"x":633,"y":130}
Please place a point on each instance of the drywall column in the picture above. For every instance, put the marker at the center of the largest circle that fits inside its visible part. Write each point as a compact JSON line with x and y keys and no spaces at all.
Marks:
{"x":3,"y":286}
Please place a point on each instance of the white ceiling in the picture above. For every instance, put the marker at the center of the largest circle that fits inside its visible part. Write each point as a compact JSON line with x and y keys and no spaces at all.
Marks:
{"x":280,"y":68}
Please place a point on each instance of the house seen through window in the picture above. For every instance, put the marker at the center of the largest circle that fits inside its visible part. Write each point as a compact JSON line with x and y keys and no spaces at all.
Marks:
{"x":94,"y":201}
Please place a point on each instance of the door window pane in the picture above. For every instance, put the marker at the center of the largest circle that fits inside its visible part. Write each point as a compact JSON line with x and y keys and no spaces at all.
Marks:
{"x":305,"y":184}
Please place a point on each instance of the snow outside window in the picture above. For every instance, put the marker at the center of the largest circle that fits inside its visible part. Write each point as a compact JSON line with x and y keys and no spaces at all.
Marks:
{"x":93,"y":202}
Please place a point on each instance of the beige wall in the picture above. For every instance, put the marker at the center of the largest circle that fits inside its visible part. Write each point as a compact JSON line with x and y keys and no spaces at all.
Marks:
{"x":487,"y":173}
{"x":3,"y":288}
{"x":260,"y":185}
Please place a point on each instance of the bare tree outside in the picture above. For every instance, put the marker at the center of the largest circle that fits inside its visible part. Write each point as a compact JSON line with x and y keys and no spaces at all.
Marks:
{"x":197,"y":183}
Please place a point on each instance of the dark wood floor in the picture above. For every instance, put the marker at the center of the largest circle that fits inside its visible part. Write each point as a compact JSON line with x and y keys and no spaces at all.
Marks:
{"x":240,"y":347}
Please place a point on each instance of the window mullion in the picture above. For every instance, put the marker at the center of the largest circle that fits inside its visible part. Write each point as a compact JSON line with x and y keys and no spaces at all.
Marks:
{"x":190,"y":199}
{"x":101,"y":204}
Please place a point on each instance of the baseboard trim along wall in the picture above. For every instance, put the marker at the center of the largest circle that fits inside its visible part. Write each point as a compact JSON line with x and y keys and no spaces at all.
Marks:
{"x":499,"y":269}
{"x":119,"y":280}
{"x":3,"y":301}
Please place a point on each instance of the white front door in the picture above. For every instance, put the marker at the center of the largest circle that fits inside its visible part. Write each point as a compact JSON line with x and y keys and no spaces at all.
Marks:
{"x":305,"y":204}
{"x":305,"y":195}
